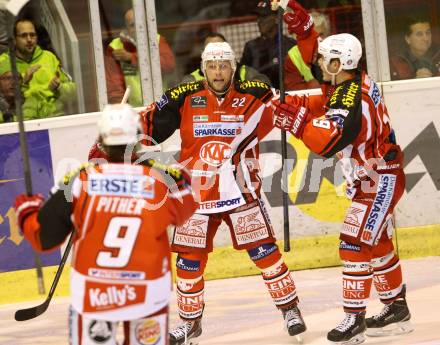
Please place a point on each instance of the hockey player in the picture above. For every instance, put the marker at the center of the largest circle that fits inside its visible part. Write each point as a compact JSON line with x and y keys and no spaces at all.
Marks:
{"x":351,"y":121}
{"x":221,"y":122}
{"x":121,"y":255}
{"x":242,"y":72}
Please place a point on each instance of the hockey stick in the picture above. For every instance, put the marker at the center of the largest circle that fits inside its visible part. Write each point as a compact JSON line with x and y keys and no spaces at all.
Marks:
{"x":33,"y":312}
{"x":285,"y":189}
{"x":126,"y":95}
{"x":23,"y":143}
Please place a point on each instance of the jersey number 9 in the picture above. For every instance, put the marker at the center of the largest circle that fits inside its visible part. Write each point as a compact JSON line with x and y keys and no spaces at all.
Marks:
{"x":123,"y":243}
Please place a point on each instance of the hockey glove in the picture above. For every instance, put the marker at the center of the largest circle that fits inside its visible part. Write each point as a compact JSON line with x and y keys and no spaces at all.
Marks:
{"x":26,"y":205}
{"x":290,"y":117}
{"x":298,"y":21}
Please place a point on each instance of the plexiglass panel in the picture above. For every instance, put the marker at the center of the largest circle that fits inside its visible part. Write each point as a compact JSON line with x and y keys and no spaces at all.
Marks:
{"x":413,"y":38}
{"x":250,"y":30}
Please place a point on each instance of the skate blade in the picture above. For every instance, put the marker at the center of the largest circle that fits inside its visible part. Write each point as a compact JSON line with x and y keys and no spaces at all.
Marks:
{"x":299,"y":339}
{"x":357,"y":339}
{"x":192,"y":342}
{"x":393,"y":329}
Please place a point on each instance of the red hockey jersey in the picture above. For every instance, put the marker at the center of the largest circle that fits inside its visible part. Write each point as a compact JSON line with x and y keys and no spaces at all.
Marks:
{"x":220,"y":138}
{"x":121,"y":255}
{"x":354,"y":124}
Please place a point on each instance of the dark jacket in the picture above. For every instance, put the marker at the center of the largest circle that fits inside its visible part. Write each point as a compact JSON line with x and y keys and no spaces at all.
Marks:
{"x":262,"y":54}
{"x":404,"y":65}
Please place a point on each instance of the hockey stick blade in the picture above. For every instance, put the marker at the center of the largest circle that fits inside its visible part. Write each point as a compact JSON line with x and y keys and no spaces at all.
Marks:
{"x":33,"y":312}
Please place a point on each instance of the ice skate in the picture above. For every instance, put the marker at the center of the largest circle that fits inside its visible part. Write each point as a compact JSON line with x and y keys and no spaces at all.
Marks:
{"x":350,"y":331}
{"x":392,"y":320}
{"x":294,"y":322}
{"x":186,"y":333}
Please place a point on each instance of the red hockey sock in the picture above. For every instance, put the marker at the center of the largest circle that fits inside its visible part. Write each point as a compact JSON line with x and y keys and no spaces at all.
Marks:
{"x":387,"y":277}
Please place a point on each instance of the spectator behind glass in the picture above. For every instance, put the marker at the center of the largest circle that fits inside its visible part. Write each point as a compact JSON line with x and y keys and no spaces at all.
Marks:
{"x":7,"y":93}
{"x":261,"y":53}
{"x":46,"y":87}
{"x":123,"y":71}
{"x":242,"y":72}
{"x":297,"y":74}
{"x":419,"y":58}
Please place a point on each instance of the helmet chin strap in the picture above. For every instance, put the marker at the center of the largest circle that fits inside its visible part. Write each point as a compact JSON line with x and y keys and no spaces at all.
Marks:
{"x":334,"y":74}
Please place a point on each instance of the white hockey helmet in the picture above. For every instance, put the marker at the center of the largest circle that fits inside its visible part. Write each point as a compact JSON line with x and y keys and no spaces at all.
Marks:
{"x":218,"y":51}
{"x":345,"y":47}
{"x":119,"y":125}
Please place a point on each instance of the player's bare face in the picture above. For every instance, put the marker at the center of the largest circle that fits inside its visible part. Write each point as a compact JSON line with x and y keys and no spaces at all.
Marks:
{"x":219,"y":75}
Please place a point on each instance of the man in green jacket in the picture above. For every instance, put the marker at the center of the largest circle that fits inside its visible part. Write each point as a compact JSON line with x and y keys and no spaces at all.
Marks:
{"x":46,"y":87}
{"x":7,"y":93}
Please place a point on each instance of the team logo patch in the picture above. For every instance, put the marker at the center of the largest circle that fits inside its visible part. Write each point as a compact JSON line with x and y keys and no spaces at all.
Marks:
{"x":216,"y":129}
{"x":100,"y":331}
{"x":262,"y":251}
{"x":187,"y":265}
{"x":348,"y":99}
{"x":353,"y":289}
{"x":148,"y":332}
{"x":200,"y":118}
{"x":349,"y":246}
{"x":247,"y":84}
{"x":337,"y":115}
{"x":374,"y":93}
{"x":163,"y":101}
{"x":379,"y":209}
{"x":353,"y":220}
{"x":208,"y":205}
{"x":381,"y":283}
{"x":232,"y":118}
{"x":350,"y":192}
{"x":249,"y":225}
{"x":142,"y":186}
{"x":199,"y":102}
{"x":181,"y":89}
{"x":203,"y":173}
{"x":193,"y":232}
{"x":102,"y":296}
{"x":215,"y":153}
{"x":190,"y":304}
{"x":113,"y":274}
{"x":282,"y":288}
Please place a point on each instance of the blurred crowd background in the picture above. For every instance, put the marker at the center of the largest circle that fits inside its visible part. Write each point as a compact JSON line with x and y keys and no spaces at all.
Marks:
{"x":59,"y":72}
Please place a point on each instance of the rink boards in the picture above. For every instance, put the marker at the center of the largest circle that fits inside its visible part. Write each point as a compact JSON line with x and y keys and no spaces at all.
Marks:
{"x":317,"y":200}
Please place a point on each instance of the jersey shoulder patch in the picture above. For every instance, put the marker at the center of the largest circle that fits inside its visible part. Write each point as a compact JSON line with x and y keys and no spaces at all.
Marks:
{"x":182,"y":90}
{"x":75,"y":172}
{"x":171,"y":171}
{"x":346,"y":95}
{"x":256,"y":88}
{"x":374,"y":94}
